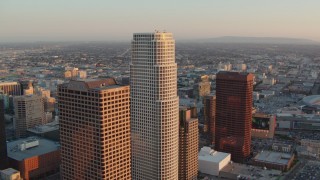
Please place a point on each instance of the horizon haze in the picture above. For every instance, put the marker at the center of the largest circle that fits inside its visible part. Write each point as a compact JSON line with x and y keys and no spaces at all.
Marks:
{"x":83,"y":20}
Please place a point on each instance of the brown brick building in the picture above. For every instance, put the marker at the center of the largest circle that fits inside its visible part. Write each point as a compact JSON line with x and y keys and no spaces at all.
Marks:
{"x":94,"y":130}
{"x":188,"y":144}
{"x":234,"y":114}
{"x":34,"y":158}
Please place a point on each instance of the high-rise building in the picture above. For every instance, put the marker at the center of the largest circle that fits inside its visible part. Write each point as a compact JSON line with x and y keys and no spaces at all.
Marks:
{"x":209,"y":111}
{"x":202,"y":88}
{"x":94,"y":129}
{"x":29,"y":112}
{"x":234,"y":114}
{"x":27,"y":87}
{"x":10,"y":88}
{"x":188,"y":144}
{"x":154,"y":107}
{"x":3,"y":143}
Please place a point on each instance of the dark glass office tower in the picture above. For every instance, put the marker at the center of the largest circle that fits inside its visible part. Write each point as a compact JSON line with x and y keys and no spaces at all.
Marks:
{"x":233,"y":114}
{"x":3,"y":143}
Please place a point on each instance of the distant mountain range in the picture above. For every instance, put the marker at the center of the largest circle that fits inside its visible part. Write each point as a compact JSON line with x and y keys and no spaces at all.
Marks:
{"x":257,"y":40}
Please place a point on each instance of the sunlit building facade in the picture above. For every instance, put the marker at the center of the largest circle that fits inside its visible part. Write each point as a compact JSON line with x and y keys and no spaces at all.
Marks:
{"x":29,"y":112}
{"x":188,"y":143}
{"x":234,"y":114}
{"x":10,"y":88}
{"x":94,"y":130}
{"x":154,"y":107}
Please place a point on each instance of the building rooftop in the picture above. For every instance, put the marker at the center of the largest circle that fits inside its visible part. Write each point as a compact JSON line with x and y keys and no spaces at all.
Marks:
{"x":52,"y":126}
{"x":8,"y":83}
{"x":208,"y":154}
{"x":252,"y":172}
{"x":273,"y":157}
{"x":45,"y":146}
{"x":9,"y":171}
{"x":91,"y":84}
{"x":239,"y":76}
{"x":313,"y":100}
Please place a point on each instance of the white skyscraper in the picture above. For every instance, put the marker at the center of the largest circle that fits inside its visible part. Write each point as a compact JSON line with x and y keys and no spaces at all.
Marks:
{"x":154,"y":107}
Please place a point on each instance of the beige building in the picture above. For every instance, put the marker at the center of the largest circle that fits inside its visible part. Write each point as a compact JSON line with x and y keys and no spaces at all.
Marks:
{"x":82,"y":74}
{"x":10,"y":88}
{"x":188,"y":144}
{"x":29,"y":112}
{"x":154,"y":107}
{"x":48,"y":101}
{"x":71,"y":73}
{"x":94,"y":130}
{"x":202,"y":88}
{"x":10,"y":174}
{"x":67,"y":74}
{"x":313,"y":146}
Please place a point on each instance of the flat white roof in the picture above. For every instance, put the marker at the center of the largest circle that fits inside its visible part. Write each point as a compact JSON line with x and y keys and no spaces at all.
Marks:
{"x":9,"y":171}
{"x":208,"y":154}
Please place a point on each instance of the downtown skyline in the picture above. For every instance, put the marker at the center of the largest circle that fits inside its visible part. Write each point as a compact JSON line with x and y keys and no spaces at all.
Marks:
{"x":83,"y":20}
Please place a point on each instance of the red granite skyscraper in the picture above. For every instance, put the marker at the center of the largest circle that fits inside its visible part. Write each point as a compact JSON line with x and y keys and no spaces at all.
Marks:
{"x":233,"y":114}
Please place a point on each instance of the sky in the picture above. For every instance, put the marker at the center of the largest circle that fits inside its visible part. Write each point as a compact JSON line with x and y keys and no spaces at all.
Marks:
{"x":116,"y":20}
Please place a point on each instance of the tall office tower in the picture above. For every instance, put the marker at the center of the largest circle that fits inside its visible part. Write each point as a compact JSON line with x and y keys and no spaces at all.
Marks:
{"x":10,"y":88}
{"x":3,"y":142}
{"x":94,"y":130}
{"x":234,"y":114}
{"x":209,"y":110}
{"x":154,"y":107}
{"x":188,"y":144}
{"x":29,"y":112}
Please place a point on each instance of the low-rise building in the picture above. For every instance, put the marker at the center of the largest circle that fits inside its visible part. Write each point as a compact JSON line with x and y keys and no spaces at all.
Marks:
{"x":211,"y":161}
{"x":274,"y":160}
{"x":35,"y":158}
{"x":10,"y":174}
{"x":242,"y":171}
{"x":48,"y":131}
{"x":298,"y":122}
{"x":280,"y":147}
{"x":313,"y":146}
{"x":263,"y":125}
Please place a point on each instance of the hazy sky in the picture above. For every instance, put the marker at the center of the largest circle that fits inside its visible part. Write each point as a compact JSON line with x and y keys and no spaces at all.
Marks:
{"x":109,"y":20}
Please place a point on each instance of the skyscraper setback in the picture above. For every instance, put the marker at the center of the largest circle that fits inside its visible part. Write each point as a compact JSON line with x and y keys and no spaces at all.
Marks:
{"x":234,"y":114}
{"x":154,"y":107}
{"x":94,"y":130}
